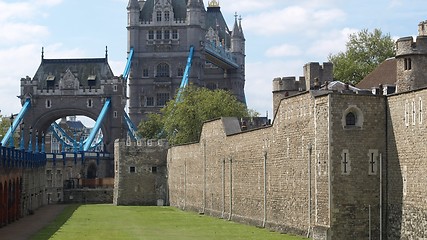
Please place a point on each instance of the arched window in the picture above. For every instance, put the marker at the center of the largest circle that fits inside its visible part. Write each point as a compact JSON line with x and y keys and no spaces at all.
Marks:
{"x":163,"y":70}
{"x":350,"y":119}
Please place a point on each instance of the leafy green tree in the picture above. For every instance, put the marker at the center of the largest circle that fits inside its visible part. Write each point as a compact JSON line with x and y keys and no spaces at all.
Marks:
{"x":4,"y":127}
{"x":364,"y":52}
{"x":151,"y":128}
{"x":181,"y":122}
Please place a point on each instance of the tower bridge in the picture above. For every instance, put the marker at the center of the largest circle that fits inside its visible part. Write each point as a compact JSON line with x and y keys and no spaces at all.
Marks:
{"x":196,"y":47}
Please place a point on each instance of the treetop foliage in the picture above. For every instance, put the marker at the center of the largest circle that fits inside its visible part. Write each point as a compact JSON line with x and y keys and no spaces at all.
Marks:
{"x":181,"y":121}
{"x":364,"y":52}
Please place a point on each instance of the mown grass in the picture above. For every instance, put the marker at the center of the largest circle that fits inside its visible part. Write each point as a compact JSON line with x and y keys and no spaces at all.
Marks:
{"x":105,"y":221}
{"x":54,"y":226}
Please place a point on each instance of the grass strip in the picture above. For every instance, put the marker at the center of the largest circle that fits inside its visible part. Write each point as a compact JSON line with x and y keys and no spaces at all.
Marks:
{"x":59,"y":221}
{"x":105,"y":221}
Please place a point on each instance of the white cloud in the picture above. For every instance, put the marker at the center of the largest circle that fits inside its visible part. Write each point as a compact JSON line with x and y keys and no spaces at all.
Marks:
{"x":48,"y":3}
{"x":330,"y":42}
{"x":243,"y":6}
{"x":283,"y":51}
{"x":291,"y":19}
{"x":259,"y":82}
{"x":21,"y":33}
{"x":20,"y":10}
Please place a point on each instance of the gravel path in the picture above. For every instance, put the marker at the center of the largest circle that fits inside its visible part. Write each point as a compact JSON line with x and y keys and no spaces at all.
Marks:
{"x":23,"y":228}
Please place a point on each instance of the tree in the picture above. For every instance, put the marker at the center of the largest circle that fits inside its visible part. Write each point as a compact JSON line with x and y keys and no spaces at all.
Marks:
{"x":364,"y":52}
{"x":151,"y":128}
{"x":181,"y":121}
{"x":4,"y":127}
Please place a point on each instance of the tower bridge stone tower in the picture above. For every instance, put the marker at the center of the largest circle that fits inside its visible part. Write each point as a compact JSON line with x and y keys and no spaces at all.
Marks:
{"x":161,"y":33}
{"x":66,"y":87}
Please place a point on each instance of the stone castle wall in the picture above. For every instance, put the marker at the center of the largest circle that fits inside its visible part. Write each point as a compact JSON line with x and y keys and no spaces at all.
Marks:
{"x":258,"y":177}
{"x":290,"y":176}
{"x":406,"y":179}
{"x":140,"y":173}
{"x":355,"y":190}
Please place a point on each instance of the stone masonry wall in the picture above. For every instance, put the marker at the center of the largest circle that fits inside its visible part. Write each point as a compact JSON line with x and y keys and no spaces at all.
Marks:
{"x":407,"y":186}
{"x":140,"y":173}
{"x":260,"y":177}
{"x":312,"y":172}
{"x":355,"y":180}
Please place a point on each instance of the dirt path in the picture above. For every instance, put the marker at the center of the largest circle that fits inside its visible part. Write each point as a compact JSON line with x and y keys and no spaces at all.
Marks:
{"x":29,"y":225}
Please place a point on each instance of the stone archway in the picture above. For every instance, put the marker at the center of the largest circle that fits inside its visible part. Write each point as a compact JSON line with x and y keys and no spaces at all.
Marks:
{"x":66,"y":87}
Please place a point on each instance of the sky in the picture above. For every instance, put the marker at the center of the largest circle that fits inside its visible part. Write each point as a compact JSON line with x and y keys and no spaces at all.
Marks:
{"x":281,"y":36}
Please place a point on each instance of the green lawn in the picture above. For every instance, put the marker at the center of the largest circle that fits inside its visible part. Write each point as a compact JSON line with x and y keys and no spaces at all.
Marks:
{"x":106,"y":221}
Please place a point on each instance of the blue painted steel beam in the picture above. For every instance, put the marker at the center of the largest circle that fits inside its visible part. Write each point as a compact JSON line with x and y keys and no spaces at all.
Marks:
{"x":97,"y":126}
{"x":131,"y":127}
{"x":128,"y":64}
{"x":62,"y":131}
{"x":184,"y":81}
{"x":15,"y":124}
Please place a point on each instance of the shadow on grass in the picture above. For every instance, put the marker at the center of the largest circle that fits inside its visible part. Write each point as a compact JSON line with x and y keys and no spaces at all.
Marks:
{"x":51,"y":229}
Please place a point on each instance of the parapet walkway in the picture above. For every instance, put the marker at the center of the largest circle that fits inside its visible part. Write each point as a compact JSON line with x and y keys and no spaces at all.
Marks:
{"x":23,"y":228}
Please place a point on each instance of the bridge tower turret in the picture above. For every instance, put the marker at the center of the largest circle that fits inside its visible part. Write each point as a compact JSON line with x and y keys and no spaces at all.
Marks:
{"x":238,"y":51}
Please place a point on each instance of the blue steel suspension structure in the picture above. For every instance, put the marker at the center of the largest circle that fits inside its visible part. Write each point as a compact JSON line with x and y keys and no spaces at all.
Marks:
{"x":184,"y":82}
{"x":130,"y":126}
{"x":9,"y":135}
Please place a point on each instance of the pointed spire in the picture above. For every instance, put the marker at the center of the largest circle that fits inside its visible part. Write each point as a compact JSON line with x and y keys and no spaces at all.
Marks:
{"x":237,"y":29}
{"x":240,"y":26}
{"x":106,"y":53}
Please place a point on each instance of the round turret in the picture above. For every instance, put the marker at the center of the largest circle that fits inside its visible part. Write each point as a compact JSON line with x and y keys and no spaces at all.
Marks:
{"x":411,"y":57}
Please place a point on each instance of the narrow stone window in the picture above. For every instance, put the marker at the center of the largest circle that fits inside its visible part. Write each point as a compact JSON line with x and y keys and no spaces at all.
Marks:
{"x":414,"y":113}
{"x":162,"y":99}
{"x":373,"y":161}
{"x":132,"y":169}
{"x":162,"y":70}
{"x":115,"y":114}
{"x":420,"y":106}
{"x":167,"y":16}
{"x":166,"y":34}
{"x":175,"y":34}
{"x":350,"y":119}
{"x":154,"y":169}
{"x":180,"y":72}
{"x":345,"y":162}
{"x":159,"y":34}
{"x":48,"y":103}
{"x":150,"y":34}
{"x":149,"y":101}
{"x":89,"y":103}
{"x":408,"y":63}
{"x":159,"y":16}
{"x":406,"y":113}
{"x":145,"y":72}
{"x":115,"y":88}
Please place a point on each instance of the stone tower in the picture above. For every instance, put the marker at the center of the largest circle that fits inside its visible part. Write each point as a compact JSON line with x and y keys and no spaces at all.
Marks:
{"x":411,"y":60}
{"x":161,"y":33}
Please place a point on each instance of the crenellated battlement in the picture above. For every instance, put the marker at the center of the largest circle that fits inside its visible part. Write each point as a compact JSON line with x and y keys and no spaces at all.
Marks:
{"x":407,"y":46}
{"x":422,"y":28}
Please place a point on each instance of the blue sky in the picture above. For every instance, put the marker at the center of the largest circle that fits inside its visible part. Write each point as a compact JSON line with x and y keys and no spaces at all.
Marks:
{"x":281,"y":35}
